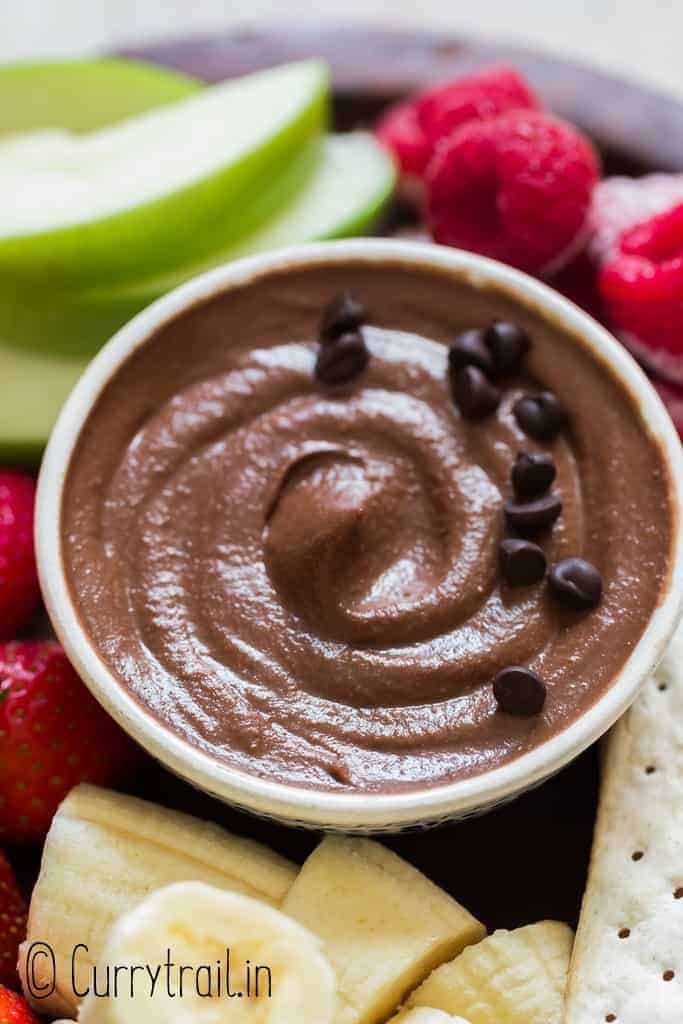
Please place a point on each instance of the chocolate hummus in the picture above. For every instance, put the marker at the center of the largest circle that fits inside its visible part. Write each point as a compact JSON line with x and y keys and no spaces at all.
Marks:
{"x":317,"y":575}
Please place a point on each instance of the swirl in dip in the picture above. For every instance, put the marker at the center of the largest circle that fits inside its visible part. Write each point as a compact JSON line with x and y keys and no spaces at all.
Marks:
{"x":304,"y":579}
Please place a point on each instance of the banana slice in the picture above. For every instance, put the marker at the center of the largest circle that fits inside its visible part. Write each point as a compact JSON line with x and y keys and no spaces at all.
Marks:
{"x":105,"y":853}
{"x":426,"y":1015}
{"x":235,"y":960}
{"x":385,"y":926}
{"x":516,"y":977}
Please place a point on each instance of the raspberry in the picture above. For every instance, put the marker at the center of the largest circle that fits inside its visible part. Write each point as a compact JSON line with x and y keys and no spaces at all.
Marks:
{"x":621,"y":203}
{"x":618,"y":204}
{"x":477,"y":97}
{"x":19,"y":593}
{"x":411,"y":130}
{"x":577,"y":281}
{"x":623,"y":209}
{"x":400,"y":132}
{"x":641,"y":285}
{"x":516,"y":188}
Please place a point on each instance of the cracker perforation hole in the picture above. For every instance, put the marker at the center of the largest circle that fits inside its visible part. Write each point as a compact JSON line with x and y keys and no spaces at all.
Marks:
{"x":624,"y":933}
{"x":663,"y":687}
{"x":650,"y":769}
{"x":668,"y":976}
{"x":610,"y":1018}
{"x":678,"y":893}
{"x":637,"y":855}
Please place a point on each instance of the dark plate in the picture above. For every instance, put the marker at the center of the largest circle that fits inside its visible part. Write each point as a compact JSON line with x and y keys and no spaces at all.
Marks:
{"x":637,"y":129}
{"x":527,"y":860}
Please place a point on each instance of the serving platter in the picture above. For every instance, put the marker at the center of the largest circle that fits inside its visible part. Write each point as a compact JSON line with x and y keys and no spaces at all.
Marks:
{"x":526,"y":860}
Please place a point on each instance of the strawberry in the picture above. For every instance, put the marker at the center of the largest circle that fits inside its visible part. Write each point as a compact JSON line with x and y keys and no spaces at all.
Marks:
{"x":19,"y":593}
{"x":14,"y":1009}
{"x":55,"y":735}
{"x":12,"y":924}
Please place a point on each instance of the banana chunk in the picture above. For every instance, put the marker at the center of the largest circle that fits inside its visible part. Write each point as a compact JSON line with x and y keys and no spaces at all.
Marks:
{"x":426,"y":1015}
{"x":384,"y":925}
{"x":105,"y":853}
{"x":277,"y":971}
{"x":512,"y":977}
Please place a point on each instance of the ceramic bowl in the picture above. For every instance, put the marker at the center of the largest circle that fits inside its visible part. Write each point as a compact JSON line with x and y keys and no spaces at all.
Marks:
{"x":359,"y":811}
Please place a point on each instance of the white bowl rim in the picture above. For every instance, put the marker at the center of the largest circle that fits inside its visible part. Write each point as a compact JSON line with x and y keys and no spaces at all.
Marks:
{"x":297,"y":804}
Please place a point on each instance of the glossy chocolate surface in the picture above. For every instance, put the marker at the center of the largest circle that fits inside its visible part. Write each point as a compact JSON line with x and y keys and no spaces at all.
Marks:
{"x":304,"y":579}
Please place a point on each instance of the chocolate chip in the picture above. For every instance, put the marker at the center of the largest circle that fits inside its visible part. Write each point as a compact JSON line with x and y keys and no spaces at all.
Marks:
{"x":341,"y":315}
{"x":519,"y":691}
{"x":576,"y":582}
{"x":540,"y":416}
{"x":531,"y":517}
{"x":340,"y":361}
{"x":474,"y":393}
{"x":470,"y":349}
{"x":522,"y":563}
{"x":532,"y":474}
{"x":508,"y":344}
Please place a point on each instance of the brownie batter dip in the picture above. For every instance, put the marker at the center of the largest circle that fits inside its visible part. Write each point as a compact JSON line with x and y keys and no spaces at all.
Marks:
{"x":365,"y":526}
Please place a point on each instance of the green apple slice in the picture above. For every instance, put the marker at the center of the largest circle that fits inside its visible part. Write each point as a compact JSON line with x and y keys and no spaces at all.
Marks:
{"x":34,"y":388}
{"x":83,"y":95}
{"x":350,"y":187}
{"x":351,"y":184}
{"x":159,"y":189}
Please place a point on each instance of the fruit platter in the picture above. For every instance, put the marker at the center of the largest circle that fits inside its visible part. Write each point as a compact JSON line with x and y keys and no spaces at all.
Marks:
{"x":341,"y":556}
